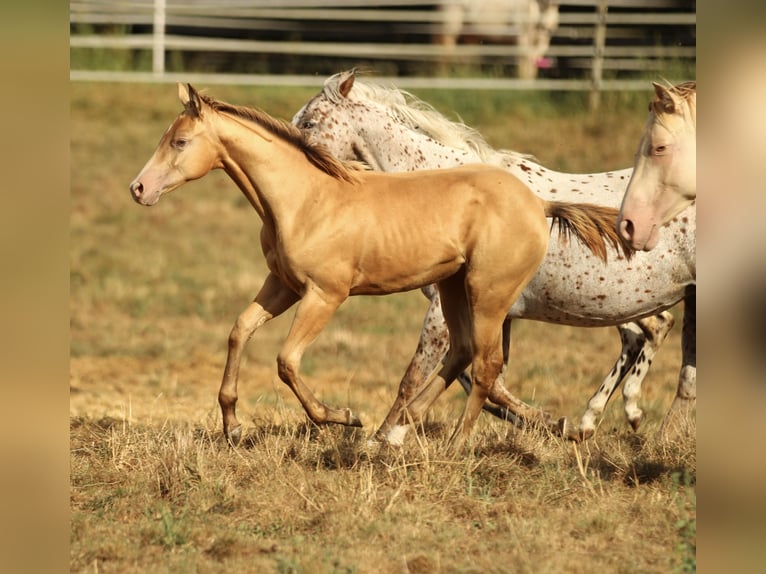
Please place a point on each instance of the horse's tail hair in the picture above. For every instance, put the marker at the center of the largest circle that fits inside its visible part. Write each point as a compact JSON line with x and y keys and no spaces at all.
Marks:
{"x":594,"y":225}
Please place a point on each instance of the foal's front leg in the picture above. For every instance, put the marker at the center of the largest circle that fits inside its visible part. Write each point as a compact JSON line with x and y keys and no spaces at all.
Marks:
{"x":272,"y":300}
{"x":313,"y":313}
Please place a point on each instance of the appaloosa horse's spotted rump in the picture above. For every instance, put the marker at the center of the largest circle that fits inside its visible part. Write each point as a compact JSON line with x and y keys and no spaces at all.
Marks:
{"x":391,"y":130}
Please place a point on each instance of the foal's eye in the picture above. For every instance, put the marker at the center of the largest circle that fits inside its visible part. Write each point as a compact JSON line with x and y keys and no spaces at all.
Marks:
{"x":179,"y":143}
{"x":307,"y":124}
{"x":660,"y":149}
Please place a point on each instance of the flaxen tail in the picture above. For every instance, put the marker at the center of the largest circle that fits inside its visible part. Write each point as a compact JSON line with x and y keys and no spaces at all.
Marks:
{"x":594,"y":225}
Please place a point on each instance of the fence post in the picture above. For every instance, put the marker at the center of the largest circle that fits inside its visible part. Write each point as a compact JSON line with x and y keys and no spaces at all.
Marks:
{"x":158,"y":40}
{"x":599,"y":41}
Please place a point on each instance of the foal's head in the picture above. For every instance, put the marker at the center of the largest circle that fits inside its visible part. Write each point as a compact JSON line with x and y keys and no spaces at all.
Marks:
{"x":196,"y":143}
{"x":664,"y":180}
{"x":185,"y":152}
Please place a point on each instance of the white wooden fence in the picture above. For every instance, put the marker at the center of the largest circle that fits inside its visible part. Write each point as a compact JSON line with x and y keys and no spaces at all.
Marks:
{"x":595,"y":38}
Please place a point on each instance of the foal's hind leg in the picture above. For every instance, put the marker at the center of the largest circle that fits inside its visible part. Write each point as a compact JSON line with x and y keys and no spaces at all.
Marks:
{"x":272,"y":300}
{"x":458,"y":319}
{"x":640,"y":341}
{"x":503,"y":404}
{"x":496,"y":409}
{"x":486,"y":369}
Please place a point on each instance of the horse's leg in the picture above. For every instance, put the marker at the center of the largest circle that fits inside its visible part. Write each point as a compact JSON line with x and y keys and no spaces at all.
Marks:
{"x":686,"y":395}
{"x":656,"y":329}
{"x":432,"y":346}
{"x":503,"y":404}
{"x":495,"y":408}
{"x":487,"y":316}
{"x":632,"y":338}
{"x":640,"y":341}
{"x":272,"y":300}
{"x":313,"y":313}
{"x":488,"y":308}
{"x":457,"y":316}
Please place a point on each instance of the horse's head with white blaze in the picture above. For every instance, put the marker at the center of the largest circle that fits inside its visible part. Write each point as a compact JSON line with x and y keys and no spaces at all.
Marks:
{"x":664,"y":179}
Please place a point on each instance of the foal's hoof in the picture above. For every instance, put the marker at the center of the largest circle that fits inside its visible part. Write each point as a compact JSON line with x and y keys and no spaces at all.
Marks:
{"x":234,"y":436}
{"x":352,"y":420}
{"x":635,"y":422}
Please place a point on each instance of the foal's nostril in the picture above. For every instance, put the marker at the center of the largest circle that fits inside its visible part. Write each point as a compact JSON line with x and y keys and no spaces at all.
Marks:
{"x":136,"y":188}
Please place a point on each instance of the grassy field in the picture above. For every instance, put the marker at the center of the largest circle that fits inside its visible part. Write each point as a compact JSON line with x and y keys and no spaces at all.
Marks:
{"x":154,"y":293}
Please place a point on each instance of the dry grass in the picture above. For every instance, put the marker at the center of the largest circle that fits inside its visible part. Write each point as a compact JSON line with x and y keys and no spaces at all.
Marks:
{"x":296,"y":497}
{"x":153,"y":488}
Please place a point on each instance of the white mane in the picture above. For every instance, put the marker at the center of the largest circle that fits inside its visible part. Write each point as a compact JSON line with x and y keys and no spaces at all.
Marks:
{"x":421,"y":116}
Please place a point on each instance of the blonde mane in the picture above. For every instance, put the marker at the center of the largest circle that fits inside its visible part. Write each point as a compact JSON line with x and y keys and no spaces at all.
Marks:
{"x":419,"y":116}
{"x":317,"y":154}
{"x":685,"y":93}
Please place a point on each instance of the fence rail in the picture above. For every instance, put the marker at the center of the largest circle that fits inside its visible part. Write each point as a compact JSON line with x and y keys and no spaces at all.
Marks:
{"x":591,"y":37}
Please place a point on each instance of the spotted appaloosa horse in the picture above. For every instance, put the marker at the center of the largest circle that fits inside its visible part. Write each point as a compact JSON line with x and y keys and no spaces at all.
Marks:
{"x":392,"y":130}
{"x":664,"y":184}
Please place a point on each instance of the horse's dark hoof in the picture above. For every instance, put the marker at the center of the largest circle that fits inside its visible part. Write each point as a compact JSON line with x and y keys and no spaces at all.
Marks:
{"x":234,"y":436}
{"x":586,"y":434}
{"x":352,"y":420}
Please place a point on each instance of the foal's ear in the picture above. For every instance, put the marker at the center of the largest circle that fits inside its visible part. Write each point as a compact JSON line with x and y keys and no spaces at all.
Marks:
{"x":183,"y":94}
{"x":190,"y":99}
{"x":664,"y":98}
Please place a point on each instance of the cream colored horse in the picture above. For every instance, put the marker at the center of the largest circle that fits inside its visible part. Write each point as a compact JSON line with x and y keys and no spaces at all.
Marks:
{"x":663,"y":184}
{"x":664,"y":180}
{"x":330,"y":231}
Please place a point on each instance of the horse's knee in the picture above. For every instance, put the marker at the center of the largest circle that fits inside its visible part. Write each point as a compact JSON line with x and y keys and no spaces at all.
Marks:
{"x":240,"y":333}
{"x":656,"y":328}
{"x":486,"y":372}
{"x":236,"y":338}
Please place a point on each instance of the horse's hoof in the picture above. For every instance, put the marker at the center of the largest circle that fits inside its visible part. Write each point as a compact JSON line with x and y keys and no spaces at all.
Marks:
{"x":586,"y":434}
{"x":352,"y":420}
{"x":234,"y":436}
{"x":635,"y":422}
{"x":563,"y":429}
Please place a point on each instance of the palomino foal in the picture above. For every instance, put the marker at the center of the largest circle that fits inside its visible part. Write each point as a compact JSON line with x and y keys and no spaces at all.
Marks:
{"x":330,"y":232}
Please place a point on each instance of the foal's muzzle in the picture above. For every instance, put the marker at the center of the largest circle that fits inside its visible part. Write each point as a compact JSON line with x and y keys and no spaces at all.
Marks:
{"x":136,"y":190}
